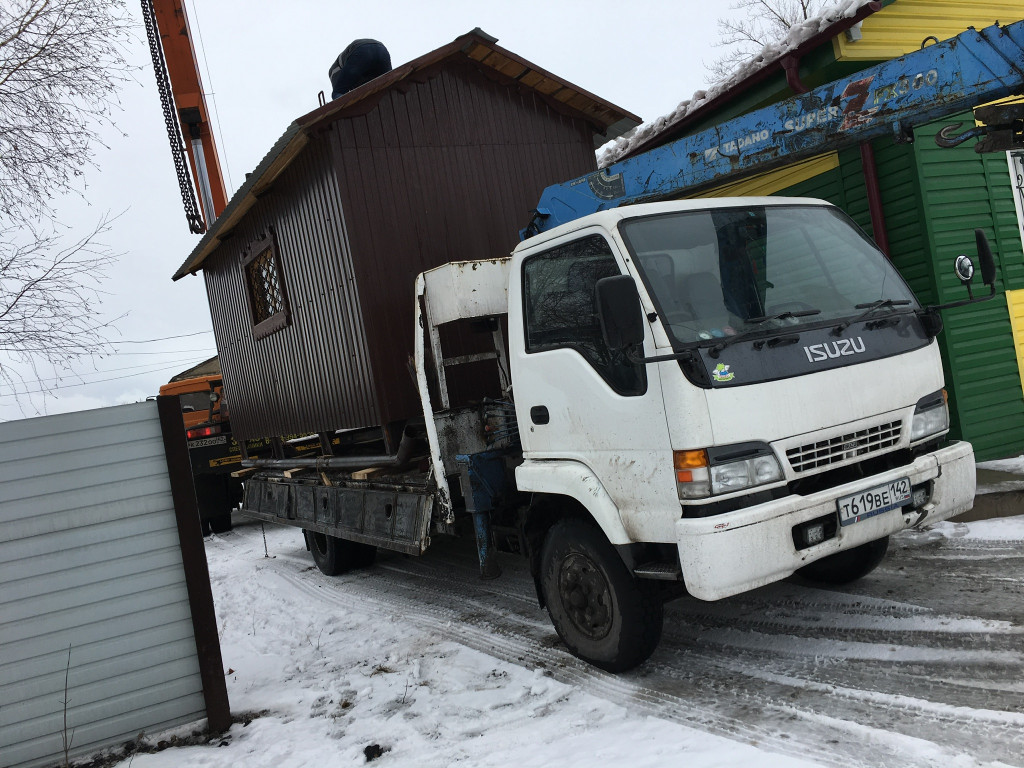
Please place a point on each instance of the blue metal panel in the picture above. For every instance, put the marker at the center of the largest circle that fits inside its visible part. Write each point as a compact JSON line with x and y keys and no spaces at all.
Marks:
{"x":945,"y":78}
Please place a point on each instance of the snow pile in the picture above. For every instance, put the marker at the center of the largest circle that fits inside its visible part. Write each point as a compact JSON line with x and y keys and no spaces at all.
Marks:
{"x":614,"y":151}
{"x":340,"y":678}
{"x":997,"y":529}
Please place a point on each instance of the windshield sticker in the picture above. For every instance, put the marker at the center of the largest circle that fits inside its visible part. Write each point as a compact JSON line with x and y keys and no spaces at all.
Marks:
{"x":722,"y":373}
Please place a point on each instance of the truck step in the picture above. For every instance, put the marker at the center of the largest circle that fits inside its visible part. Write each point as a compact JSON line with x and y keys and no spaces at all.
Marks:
{"x":659,"y":571}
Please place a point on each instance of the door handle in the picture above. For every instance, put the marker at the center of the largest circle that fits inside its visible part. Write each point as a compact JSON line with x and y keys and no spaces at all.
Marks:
{"x":539,"y":414}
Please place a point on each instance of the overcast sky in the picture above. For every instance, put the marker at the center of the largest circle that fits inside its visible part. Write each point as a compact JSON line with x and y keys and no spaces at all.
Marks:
{"x":263,"y":65}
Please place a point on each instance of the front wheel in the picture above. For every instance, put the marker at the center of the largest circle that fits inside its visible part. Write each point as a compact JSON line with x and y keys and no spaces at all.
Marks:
{"x":849,"y":565}
{"x":602,"y":613}
{"x":334,"y":556}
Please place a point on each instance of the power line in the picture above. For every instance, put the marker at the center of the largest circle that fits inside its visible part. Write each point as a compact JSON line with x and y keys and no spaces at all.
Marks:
{"x":164,"y":338}
{"x":149,"y":366}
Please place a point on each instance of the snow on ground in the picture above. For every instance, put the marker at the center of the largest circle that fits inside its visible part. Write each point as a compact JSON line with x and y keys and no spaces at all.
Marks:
{"x":918,"y":665}
{"x":998,"y":529}
{"x":333,"y":680}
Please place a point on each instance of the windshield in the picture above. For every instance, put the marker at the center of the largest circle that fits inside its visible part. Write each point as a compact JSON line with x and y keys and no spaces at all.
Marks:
{"x":716,"y":273}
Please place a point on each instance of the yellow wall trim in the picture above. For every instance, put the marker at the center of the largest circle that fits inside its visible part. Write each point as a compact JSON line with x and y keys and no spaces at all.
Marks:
{"x":1015,"y":306}
{"x":770,"y":182}
{"x":899,"y":28}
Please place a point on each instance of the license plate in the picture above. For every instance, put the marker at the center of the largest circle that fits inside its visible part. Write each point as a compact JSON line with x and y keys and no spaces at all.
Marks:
{"x":873,"y":501}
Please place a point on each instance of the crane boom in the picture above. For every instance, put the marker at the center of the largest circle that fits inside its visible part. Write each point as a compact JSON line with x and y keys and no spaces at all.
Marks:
{"x":972,"y":68}
{"x":186,"y":101}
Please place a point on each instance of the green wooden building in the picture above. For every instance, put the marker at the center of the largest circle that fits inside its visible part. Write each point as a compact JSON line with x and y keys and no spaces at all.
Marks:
{"x":920,"y":202}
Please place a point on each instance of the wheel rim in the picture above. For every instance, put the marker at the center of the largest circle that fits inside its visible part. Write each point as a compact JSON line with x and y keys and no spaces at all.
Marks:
{"x":585,"y":595}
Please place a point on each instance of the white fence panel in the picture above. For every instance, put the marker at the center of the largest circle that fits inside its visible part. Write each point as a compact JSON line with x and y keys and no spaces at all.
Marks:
{"x":92,"y":586}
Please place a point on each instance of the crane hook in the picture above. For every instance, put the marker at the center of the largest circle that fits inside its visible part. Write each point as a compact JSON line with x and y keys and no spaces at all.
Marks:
{"x":948,"y":140}
{"x":195,"y":223}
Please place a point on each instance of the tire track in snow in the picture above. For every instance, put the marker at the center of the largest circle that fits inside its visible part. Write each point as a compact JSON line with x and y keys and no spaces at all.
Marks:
{"x":813,"y":706}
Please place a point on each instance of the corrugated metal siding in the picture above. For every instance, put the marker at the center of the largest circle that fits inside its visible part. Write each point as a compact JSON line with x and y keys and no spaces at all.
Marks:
{"x":90,"y":561}
{"x":900,"y":26}
{"x":314,"y":374}
{"x":1015,"y":307}
{"x":447,"y":170}
{"x":444,"y":168}
{"x":961,"y":191}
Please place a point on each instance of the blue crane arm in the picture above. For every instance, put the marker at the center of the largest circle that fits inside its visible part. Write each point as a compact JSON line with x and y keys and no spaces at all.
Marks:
{"x":972,"y":68}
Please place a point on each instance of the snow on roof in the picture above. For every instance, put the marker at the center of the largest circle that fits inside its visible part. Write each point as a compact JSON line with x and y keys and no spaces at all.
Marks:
{"x":615,"y":150}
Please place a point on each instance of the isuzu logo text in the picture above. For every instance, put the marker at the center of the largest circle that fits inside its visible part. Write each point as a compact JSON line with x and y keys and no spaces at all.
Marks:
{"x":818,"y":352}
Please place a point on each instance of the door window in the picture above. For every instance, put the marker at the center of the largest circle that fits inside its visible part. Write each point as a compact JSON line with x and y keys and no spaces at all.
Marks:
{"x":561,"y":309}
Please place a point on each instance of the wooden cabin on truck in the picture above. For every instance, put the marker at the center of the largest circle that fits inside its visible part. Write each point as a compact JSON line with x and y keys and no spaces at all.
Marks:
{"x":310,"y":270}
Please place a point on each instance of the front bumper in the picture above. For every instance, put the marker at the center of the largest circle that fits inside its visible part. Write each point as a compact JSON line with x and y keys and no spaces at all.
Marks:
{"x":732,"y":553}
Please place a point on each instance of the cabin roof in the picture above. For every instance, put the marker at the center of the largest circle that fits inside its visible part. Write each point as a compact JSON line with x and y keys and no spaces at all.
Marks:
{"x":477,"y":47}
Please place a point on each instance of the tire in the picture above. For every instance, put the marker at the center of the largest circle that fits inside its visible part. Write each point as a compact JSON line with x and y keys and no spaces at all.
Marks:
{"x":844,"y":567}
{"x":600,"y":611}
{"x":220,"y":523}
{"x":334,"y":556}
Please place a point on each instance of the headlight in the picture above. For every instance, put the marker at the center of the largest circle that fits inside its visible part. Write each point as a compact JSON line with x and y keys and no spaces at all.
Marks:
{"x":931,"y":416}
{"x":727,"y":469}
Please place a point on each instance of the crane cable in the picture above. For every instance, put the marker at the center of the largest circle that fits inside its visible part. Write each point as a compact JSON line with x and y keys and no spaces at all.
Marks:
{"x":196,"y":224}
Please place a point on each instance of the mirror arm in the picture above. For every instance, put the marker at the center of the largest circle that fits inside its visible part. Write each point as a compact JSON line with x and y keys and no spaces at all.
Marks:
{"x":962,"y":302}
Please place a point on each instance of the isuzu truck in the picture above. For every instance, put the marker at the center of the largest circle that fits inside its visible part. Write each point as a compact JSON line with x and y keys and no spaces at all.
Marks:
{"x":697,"y":397}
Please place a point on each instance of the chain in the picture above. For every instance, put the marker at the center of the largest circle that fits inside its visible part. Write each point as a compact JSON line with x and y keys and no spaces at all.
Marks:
{"x":163,"y":86}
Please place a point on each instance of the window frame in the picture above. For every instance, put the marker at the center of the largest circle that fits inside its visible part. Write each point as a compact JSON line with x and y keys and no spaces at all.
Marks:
{"x":526,"y":303}
{"x":282,"y":317}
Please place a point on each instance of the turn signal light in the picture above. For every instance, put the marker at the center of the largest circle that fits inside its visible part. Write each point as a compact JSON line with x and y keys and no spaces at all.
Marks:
{"x":692,"y":478}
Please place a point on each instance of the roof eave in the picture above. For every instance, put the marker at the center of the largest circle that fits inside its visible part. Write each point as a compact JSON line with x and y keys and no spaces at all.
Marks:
{"x":606,"y":117}
{"x":670,"y":132}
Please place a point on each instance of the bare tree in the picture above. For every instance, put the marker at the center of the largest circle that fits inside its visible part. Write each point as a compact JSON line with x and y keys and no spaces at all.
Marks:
{"x":754,"y":24}
{"x":62,"y":63}
{"x":49,"y":304}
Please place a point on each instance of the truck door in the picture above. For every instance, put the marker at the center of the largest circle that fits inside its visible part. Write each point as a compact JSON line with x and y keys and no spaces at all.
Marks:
{"x":577,"y":399}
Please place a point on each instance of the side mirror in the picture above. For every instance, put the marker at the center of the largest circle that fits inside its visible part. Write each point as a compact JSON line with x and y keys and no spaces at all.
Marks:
{"x":988,"y":264}
{"x":619,"y":311}
{"x":964,"y":268}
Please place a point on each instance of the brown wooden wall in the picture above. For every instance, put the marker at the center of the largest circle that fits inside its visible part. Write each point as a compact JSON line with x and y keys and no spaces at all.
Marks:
{"x":446,"y":171}
{"x":314,"y":374}
{"x":444,"y":168}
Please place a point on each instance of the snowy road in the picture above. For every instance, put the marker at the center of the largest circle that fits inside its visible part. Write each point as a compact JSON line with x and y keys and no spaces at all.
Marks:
{"x":920,"y":664}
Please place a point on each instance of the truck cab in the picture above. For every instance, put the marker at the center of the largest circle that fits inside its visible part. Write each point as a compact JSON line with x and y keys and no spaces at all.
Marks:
{"x":776,"y":407}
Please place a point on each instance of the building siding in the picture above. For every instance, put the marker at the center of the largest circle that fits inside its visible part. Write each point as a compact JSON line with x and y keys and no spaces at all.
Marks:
{"x":443,"y":167}
{"x":91,"y":570}
{"x":962,"y":191}
{"x":313,"y":374}
{"x":444,"y":170}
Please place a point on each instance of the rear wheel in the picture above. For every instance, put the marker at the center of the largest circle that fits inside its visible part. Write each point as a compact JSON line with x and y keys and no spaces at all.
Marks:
{"x":602,"y":613}
{"x":221,"y":523}
{"x":847,"y":566}
{"x":333,"y":555}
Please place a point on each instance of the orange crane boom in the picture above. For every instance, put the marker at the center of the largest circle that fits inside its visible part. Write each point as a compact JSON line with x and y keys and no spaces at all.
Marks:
{"x":188,"y":105}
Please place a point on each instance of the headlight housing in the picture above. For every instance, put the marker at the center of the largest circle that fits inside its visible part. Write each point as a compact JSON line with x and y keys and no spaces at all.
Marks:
{"x":726,"y":469}
{"x":931,"y":416}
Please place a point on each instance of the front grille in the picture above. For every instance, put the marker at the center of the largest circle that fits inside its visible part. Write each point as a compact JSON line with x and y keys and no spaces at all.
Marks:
{"x":863,"y":442}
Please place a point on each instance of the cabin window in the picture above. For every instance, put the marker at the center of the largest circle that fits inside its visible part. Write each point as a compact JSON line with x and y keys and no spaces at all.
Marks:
{"x":268,"y":306}
{"x":561,"y":309}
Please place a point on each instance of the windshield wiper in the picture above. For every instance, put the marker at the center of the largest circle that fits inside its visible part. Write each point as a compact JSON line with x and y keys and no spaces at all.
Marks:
{"x":783,"y":316}
{"x":728,"y":341}
{"x":869,"y":309}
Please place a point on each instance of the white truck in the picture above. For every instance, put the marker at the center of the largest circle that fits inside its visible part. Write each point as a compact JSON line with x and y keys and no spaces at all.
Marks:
{"x":700,"y":397}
